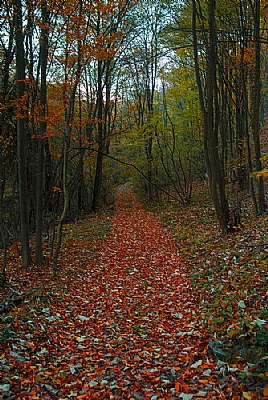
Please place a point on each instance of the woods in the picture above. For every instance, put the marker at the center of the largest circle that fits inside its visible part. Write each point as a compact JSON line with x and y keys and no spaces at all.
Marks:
{"x":106,"y":104}
{"x":124,"y":78}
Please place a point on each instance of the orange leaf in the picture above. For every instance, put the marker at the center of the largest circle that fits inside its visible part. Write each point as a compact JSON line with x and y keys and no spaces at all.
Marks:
{"x":185,"y":388}
{"x":56,"y":189}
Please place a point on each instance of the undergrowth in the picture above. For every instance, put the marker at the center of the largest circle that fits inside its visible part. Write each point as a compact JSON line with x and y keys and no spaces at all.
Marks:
{"x":36,"y":285}
{"x":230,"y":273}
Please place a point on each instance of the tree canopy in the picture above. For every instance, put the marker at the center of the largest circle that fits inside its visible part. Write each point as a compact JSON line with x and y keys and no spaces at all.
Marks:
{"x":162,"y":93}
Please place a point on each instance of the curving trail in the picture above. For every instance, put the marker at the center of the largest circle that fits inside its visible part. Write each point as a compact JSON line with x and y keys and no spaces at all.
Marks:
{"x":129,"y":327}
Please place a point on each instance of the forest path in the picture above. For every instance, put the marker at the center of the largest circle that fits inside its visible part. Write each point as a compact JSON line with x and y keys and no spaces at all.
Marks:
{"x":128,"y":327}
{"x":144,"y":335}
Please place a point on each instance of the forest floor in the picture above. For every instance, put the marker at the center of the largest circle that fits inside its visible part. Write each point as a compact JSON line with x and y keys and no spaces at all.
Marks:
{"x":145,"y":305}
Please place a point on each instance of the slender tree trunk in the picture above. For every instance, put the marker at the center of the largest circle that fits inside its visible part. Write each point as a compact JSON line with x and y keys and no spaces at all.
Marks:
{"x":3,"y":132}
{"x":210,"y":110}
{"x":201,"y":93}
{"x":66,"y":146}
{"x":217,"y":178}
{"x":149,"y":167}
{"x":40,"y":145}
{"x":65,"y":186}
{"x":101,"y":147}
{"x":2,"y":224}
{"x":256,"y":105}
{"x":21,"y":135}
{"x":248,"y":146}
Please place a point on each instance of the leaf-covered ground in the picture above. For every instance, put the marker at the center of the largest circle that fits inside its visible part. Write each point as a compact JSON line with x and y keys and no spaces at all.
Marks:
{"x":124,"y":319}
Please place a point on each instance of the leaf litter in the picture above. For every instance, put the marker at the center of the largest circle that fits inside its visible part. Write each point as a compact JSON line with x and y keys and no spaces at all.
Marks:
{"x":123,"y":320}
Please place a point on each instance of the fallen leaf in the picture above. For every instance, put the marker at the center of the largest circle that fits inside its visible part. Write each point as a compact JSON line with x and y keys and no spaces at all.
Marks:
{"x":197,"y":364}
{"x":186,"y":396}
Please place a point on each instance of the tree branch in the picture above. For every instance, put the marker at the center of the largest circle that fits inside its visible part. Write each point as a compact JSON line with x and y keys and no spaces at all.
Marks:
{"x":136,"y":168}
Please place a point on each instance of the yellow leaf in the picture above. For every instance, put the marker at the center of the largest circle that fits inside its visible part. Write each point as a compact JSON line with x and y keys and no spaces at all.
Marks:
{"x":39,"y":379}
{"x":247,"y":396}
{"x":263,"y":173}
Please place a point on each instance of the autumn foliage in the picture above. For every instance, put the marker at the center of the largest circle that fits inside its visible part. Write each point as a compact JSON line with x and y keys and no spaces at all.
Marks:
{"x":133,"y":185}
{"x":123,"y":319}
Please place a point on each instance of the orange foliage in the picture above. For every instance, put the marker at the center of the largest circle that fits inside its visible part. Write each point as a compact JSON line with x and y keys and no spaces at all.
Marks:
{"x":247,"y":58}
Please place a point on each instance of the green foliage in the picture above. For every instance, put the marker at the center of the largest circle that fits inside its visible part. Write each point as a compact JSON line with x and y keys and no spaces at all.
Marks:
{"x":7,"y":330}
{"x":262,"y":337}
{"x":230,"y":276}
{"x":95,"y":227}
{"x":175,"y":130}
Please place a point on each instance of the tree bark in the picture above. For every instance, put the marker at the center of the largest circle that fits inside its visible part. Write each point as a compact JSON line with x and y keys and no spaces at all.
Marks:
{"x":67,"y":138}
{"x":2,"y":224}
{"x":42,"y":128}
{"x":21,"y":135}
{"x":100,"y":125}
{"x":210,"y":109}
{"x":256,"y":105}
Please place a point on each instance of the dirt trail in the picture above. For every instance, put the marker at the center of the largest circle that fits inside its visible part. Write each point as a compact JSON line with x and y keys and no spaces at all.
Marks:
{"x":129,"y":327}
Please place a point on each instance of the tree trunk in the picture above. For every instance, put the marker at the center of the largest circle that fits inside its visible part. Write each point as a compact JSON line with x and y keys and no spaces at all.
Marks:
{"x":21,"y":135}
{"x":210,"y":110}
{"x":256,"y":105}
{"x":66,"y":146}
{"x":149,"y":167}
{"x":2,"y":224}
{"x":99,"y":163}
{"x":40,"y":145}
{"x":217,"y":177}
